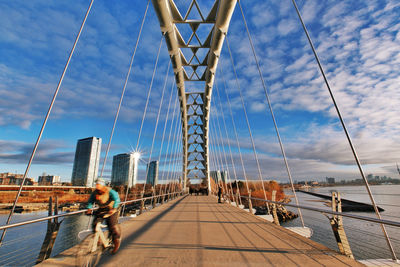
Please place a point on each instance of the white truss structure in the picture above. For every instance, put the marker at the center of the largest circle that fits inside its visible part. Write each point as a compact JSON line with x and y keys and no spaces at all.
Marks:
{"x":198,"y":67}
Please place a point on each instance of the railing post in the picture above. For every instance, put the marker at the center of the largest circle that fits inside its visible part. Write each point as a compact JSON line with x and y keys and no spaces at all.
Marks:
{"x":154,"y":198}
{"x":274,"y":213}
{"x":250,"y":204}
{"x":237,"y":199}
{"x":51,"y":233}
{"x":337,"y":227}
{"x":141,"y":204}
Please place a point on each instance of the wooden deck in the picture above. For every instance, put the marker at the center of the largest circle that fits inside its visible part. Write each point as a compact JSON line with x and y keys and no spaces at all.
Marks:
{"x":197,"y":231}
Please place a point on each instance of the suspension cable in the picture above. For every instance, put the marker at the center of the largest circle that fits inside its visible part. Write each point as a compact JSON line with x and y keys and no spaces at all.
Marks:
{"x":156,"y":126}
{"x":177,"y":155}
{"x":272,"y":113}
{"x":173,"y":152}
{"x":394,"y":257}
{"x":221,"y":144}
{"x":144,"y":114}
{"x":221,"y":110}
{"x":46,"y":119}
{"x":165,"y":127}
{"x":148,"y":94}
{"x":247,"y":120}
{"x":169,"y":139}
{"x":173,"y":125}
{"x":212,"y":154}
{"x":123,"y":89}
{"x":236,"y":135}
{"x":219,"y":164}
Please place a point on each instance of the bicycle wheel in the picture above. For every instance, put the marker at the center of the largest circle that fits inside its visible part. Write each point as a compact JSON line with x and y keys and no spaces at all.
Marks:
{"x":85,"y":256}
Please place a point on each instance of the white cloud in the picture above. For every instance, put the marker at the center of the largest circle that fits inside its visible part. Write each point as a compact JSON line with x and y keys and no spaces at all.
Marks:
{"x":287,"y":26}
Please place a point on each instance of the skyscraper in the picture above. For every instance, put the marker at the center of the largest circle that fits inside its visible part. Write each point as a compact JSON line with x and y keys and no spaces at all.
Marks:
{"x":152,"y":173}
{"x":86,"y":163}
{"x":123,"y":168}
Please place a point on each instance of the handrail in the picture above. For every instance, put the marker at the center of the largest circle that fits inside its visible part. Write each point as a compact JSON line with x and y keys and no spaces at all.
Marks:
{"x":74,"y":212}
{"x":353,"y":216}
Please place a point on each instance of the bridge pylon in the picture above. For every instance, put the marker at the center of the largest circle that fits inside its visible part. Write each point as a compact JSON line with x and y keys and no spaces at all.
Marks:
{"x":194,"y":62}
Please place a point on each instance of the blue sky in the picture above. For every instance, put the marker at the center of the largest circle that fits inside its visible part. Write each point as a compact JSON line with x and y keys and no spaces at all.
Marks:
{"x":358,"y":43}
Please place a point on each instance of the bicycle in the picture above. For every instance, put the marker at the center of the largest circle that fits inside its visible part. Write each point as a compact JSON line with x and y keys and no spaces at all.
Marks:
{"x":93,"y":245}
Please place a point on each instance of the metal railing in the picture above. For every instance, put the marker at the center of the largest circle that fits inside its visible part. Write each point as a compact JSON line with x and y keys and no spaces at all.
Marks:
{"x":324,"y":211}
{"x":362,"y":241}
{"x":22,"y":250}
{"x":80,"y":211}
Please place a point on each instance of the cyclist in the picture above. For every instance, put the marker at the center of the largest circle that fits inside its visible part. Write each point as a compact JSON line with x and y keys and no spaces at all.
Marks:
{"x":108,"y":201}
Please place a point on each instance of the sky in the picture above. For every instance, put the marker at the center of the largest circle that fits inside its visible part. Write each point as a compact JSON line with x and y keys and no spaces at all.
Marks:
{"x":358,"y":43}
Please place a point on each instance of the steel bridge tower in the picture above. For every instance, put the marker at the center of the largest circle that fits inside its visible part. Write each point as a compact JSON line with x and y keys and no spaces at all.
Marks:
{"x":191,"y":71}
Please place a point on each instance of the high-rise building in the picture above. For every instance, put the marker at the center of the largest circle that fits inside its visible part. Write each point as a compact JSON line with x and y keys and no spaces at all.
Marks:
{"x":123,"y":169}
{"x":86,"y":163}
{"x":152,"y":173}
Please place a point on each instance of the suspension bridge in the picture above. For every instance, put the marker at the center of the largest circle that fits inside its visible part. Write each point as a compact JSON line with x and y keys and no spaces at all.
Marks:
{"x":174,"y":227}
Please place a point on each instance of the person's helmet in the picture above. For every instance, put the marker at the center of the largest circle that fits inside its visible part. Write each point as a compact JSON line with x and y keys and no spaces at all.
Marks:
{"x":100,"y":181}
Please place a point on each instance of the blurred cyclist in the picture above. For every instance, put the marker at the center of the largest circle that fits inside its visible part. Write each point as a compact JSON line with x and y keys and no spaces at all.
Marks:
{"x":108,"y":201}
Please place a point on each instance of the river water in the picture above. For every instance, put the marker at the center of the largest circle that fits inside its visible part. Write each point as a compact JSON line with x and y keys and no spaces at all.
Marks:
{"x":366,"y":239}
{"x":22,"y":245}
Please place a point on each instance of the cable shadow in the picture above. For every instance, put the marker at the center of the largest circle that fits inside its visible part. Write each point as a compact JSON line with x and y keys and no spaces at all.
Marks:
{"x":139,"y":232}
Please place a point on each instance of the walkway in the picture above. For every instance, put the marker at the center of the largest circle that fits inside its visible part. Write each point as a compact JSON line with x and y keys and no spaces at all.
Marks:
{"x":197,"y":231}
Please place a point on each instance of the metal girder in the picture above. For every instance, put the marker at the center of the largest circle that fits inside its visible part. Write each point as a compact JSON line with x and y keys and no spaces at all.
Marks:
{"x":195,"y":106}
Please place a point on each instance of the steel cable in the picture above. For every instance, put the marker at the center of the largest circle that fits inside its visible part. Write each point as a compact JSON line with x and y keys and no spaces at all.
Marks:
{"x":271,"y":111}
{"x":169,"y":138}
{"x":236,"y":134}
{"x":247,"y":120}
{"x":123,"y":89}
{"x":394,"y":257}
{"x":220,"y":144}
{"x":227,"y":140}
{"x":156,"y":126}
{"x":164,"y":129}
{"x":148,"y":94}
{"x":46,"y":118}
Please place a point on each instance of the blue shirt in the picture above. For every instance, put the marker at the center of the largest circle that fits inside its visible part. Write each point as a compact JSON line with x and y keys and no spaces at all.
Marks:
{"x":113,"y":195}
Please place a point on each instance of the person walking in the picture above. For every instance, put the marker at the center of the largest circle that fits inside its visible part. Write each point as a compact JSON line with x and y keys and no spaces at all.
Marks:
{"x":108,"y":201}
{"x":219,"y":194}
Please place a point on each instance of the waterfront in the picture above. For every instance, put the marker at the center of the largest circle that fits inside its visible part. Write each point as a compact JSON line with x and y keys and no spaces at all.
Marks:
{"x":366,"y":238}
{"x":22,"y":245}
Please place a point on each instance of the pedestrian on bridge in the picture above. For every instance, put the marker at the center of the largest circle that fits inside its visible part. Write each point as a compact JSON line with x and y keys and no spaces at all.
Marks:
{"x":108,"y":201}
{"x":219,"y":194}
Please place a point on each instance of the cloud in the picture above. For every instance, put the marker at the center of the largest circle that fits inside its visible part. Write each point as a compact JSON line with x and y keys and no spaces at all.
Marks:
{"x":287,"y":26}
{"x":49,"y":152}
{"x":358,"y":48}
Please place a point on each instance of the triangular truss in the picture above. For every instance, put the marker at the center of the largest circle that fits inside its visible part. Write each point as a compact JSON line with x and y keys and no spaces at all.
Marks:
{"x":194,"y":43}
{"x":196,"y":140}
